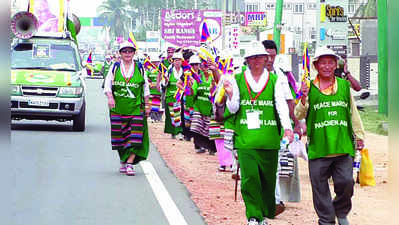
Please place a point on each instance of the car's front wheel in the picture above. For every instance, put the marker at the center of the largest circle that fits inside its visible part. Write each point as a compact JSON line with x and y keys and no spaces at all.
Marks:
{"x":79,"y":121}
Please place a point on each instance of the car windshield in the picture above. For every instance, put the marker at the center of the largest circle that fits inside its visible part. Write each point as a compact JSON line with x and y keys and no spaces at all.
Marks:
{"x":44,"y":56}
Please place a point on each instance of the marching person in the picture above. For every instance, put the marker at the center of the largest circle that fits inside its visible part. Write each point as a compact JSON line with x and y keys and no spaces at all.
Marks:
{"x":155,"y":97}
{"x":127,"y":90}
{"x":289,"y":186}
{"x":202,"y":105}
{"x":255,"y":97}
{"x":104,"y":70}
{"x":172,"y":106}
{"x":334,"y":130}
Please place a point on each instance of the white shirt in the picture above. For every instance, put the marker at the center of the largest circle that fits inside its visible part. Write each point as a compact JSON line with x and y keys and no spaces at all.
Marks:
{"x":110,"y":78}
{"x":282,"y":78}
{"x":233,"y":104}
{"x":176,"y":74}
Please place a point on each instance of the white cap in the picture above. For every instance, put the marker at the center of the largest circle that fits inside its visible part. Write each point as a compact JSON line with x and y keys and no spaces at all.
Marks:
{"x":177,"y":55}
{"x":126,"y":44}
{"x":194,"y":59}
{"x":324,"y":51}
{"x":256,"y":49}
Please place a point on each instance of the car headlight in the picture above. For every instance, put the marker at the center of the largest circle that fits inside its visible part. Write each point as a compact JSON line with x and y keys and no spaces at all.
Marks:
{"x":15,"y":90}
{"x":70,"y":91}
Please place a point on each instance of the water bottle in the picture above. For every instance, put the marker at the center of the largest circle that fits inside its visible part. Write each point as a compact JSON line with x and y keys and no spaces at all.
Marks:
{"x":356,"y":165}
{"x":284,"y":142}
{"x":296,"y":137}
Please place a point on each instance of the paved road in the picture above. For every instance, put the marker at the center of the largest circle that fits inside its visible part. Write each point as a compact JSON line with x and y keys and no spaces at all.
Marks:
{"x":71,"y":178}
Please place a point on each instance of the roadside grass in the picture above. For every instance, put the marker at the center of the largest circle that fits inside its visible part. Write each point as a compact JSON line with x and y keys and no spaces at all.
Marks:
{"x":373,"y":121}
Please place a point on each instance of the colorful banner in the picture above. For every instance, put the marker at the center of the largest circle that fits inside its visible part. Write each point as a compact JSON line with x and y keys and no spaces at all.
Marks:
{"x":50,"y":14}
{"x":255,"y":19}
{"x":184,"y":27}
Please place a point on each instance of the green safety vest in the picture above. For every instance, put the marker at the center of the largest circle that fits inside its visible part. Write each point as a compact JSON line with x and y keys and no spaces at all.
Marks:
{"x":202,"y":91}
{"x":129,"y":96}
{"x":268,"y":135}
{"x":329,"y":125}
{"x":171,"y":88}
{"x":106,"y":68}
{"x":152,"y":75}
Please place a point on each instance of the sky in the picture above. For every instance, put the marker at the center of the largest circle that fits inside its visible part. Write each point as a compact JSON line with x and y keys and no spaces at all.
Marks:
{"x":81,"y":8}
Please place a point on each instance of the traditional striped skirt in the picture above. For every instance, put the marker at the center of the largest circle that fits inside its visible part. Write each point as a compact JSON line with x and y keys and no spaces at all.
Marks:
{"x":188,"y":113}
{"x":175,"y":114}
{"x":228,"y":139}
{"x":126,"y":131}
{"x":216,"y":130}
{"x":200,"y":124}
{"x":286,"y":160}
{"x":155,"y":101}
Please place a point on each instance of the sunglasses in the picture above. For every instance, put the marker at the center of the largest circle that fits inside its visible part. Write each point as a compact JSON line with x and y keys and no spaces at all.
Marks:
{"x":127,"y":51}
{"x":194,"y":64}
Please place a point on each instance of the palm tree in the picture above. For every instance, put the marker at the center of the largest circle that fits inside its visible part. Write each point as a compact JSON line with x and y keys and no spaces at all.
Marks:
{"x":116,"y":15}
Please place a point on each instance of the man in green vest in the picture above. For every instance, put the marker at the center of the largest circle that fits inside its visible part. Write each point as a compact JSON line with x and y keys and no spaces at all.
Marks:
{"x":107,"y":64}
{"x":255,"y":97}
{"x":334,"y":130}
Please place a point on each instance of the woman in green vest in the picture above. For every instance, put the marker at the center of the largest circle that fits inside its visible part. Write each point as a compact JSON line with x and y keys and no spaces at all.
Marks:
{"x":172,"y":106}
{"x":335,"y":131}
{"x":254,"y":96}
{"x":127,"y":90}
{"x":203,"y":105}
{"x":155,"y":97}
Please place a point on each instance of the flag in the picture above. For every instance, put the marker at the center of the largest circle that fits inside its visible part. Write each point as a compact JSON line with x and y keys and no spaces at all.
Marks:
{"x":205,"y":36}
{"x":70,"y":26}
{"x":132,"y":40}
{"x":89,"y":68}
{"x":148,"y":65}
{"x":306,"y":65}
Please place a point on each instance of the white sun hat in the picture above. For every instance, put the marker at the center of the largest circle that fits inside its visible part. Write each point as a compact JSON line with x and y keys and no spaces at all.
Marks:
{"x":126,"y":44}
{"x":256,"y":49}
{"x":194,"y":59}
{"x":177,"y":55}
{"x":324,"y":51}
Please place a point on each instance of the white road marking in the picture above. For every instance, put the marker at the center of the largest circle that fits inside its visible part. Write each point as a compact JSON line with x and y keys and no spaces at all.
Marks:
{"x":166,"y":202}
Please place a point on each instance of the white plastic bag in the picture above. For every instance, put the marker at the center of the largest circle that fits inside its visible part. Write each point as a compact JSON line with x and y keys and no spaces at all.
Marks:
{"x":298,"y":149}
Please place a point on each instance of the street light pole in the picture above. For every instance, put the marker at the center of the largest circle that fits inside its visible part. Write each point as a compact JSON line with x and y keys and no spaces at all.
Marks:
{"x":277,"y":23}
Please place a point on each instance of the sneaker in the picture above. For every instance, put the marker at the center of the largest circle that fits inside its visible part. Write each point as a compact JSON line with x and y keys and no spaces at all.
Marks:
{"x":129,"y":170}
{"x":279,"y":208}
{"x":122,"y":169}
{"x":252,"y":221}
{"x":200,"y":150}
{"x":264,"y":222}
{"x":211,"y":152}
{"x":222,"y":168}
{"x":180,"y":137}
{"x":234,"y":176}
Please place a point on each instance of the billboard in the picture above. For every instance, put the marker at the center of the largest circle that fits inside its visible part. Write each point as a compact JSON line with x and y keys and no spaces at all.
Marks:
{"x":255,"y":19}
{"x":182,"y":27}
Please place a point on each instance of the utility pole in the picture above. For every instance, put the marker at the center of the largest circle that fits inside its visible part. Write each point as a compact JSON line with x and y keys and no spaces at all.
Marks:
{"x":277,"y":23}
{"x":382,"y":58}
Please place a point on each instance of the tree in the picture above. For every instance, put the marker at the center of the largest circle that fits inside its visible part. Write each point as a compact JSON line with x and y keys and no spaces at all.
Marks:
{"x":116,"y":15}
